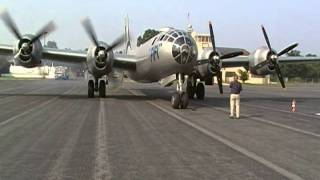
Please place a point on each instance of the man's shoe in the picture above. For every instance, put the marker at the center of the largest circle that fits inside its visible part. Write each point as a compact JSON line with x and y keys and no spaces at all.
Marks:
{"x":237,"y":118}
{"x":231,"y":117}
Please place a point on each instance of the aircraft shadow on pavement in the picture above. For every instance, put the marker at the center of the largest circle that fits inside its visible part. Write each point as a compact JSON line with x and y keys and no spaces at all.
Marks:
{"x":153,"y":94}
{"x":83,"y":96}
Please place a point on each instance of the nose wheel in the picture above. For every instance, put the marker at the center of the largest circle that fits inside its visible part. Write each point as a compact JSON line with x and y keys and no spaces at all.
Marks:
{"x":180,"y":99}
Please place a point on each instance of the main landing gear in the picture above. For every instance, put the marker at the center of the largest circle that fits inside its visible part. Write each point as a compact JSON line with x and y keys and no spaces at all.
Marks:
{"x":97,"y":86}
{"x":180,"y":99}
{"x":194,"y":88}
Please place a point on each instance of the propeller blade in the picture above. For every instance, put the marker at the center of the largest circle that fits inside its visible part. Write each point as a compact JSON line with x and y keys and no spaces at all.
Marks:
{"x":120,"y":40}
{"x":11,"y":24}
{"x":90,"y":30}
{"x":48,"y":28}
{"x":280,"y":76}
{"x":288,"y":49}
{"x":266,"y":38}
{"x":231,"y":55}
{"x":213,"y":42}
{"x":219,"y":78}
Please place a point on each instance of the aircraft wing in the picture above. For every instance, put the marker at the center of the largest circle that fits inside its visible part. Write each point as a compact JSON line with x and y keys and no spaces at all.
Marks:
{"x":245,"y":60}
{"x":236,"y":62}
{"x":64,"y":55}
{"x":298,"y":59}
{"x":125,"y":62}
{"x":6,"y":50}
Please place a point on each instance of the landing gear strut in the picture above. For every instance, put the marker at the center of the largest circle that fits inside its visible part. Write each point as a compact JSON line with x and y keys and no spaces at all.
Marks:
{"x":180,"y":98}
{"x":97,"y":86}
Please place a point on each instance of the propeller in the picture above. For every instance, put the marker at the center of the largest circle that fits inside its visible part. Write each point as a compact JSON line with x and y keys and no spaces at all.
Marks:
{"x":26,"y":46}
{"x":8,"y":21}
{"x":93,"y":37}
{"x":273,"y":57}
{"x":215,"y":59}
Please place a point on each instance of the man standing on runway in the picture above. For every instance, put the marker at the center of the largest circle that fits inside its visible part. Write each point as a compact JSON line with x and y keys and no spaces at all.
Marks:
{"x":236,"y":88}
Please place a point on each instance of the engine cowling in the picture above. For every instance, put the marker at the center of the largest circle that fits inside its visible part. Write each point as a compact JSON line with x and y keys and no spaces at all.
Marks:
{"x":204,"y":70}
{"x":99,"y":64}
{"x":259,"y":64}
{"x":26,"y":54}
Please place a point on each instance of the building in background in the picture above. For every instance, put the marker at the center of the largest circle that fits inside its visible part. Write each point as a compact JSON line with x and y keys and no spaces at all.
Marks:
{"x":41,"y":72}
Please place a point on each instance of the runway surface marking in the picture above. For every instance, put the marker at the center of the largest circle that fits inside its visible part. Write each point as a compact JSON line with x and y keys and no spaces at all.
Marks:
{"x":226,"y":142}
{"x":102,"y":166}
{"x":267,"y":122}
{"x":32,"y":109}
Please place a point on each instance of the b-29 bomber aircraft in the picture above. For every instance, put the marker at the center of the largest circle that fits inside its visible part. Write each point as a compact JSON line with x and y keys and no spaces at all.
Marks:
{"x":171,"y":52}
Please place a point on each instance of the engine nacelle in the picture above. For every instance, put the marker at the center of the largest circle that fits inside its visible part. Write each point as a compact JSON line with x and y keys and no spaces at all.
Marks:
{"x":27,"y":57}
{"x":98,"y":66}
{"x":204,"y":70}
{"x":259,"y":64}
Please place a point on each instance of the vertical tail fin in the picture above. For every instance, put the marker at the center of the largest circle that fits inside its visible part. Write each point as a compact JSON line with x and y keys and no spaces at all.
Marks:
{"x":127,"y":35}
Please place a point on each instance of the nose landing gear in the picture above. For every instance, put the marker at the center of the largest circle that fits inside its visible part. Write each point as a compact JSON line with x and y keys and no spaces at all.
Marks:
{"x":180,"y":99}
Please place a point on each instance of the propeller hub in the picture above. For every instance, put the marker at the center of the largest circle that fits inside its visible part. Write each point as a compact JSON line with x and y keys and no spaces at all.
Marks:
{"x":101,"y":54}
{"x":216,"y":58}
{"x":274,"y":57}
{"x":25,"y":46}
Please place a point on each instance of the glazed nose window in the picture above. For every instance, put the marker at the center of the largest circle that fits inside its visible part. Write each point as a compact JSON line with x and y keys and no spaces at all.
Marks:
{"x":183,"y":50}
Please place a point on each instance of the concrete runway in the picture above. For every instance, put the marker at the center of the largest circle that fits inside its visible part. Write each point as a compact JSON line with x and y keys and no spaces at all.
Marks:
{"x":51,"y":130}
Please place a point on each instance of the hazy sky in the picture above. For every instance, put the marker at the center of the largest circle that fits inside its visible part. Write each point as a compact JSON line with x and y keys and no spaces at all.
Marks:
{"x":236,"y":23}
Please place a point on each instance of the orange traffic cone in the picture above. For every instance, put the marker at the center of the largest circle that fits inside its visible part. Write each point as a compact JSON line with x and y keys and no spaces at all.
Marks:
{"x":293,"y":105}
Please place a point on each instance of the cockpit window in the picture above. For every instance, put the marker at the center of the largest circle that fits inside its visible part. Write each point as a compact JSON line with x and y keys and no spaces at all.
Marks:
{"x":165,"y":38}
{"x":161,"y":38}
{"x":188,"y":41}
{"x":180,"y":41}
{"x":184,"y":49}
{"x":175,"y":51}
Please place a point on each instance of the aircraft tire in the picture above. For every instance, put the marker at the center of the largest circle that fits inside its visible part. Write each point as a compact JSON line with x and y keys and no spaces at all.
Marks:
{"x":102,"y":89}
{"x":90,"y":89}
{"x":200,"y":91}
{"x":175,"y":101}
{"x":184,"y":100}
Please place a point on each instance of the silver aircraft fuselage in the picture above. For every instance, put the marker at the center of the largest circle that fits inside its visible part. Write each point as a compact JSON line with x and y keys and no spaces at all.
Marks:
{"x":171,"y":51}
